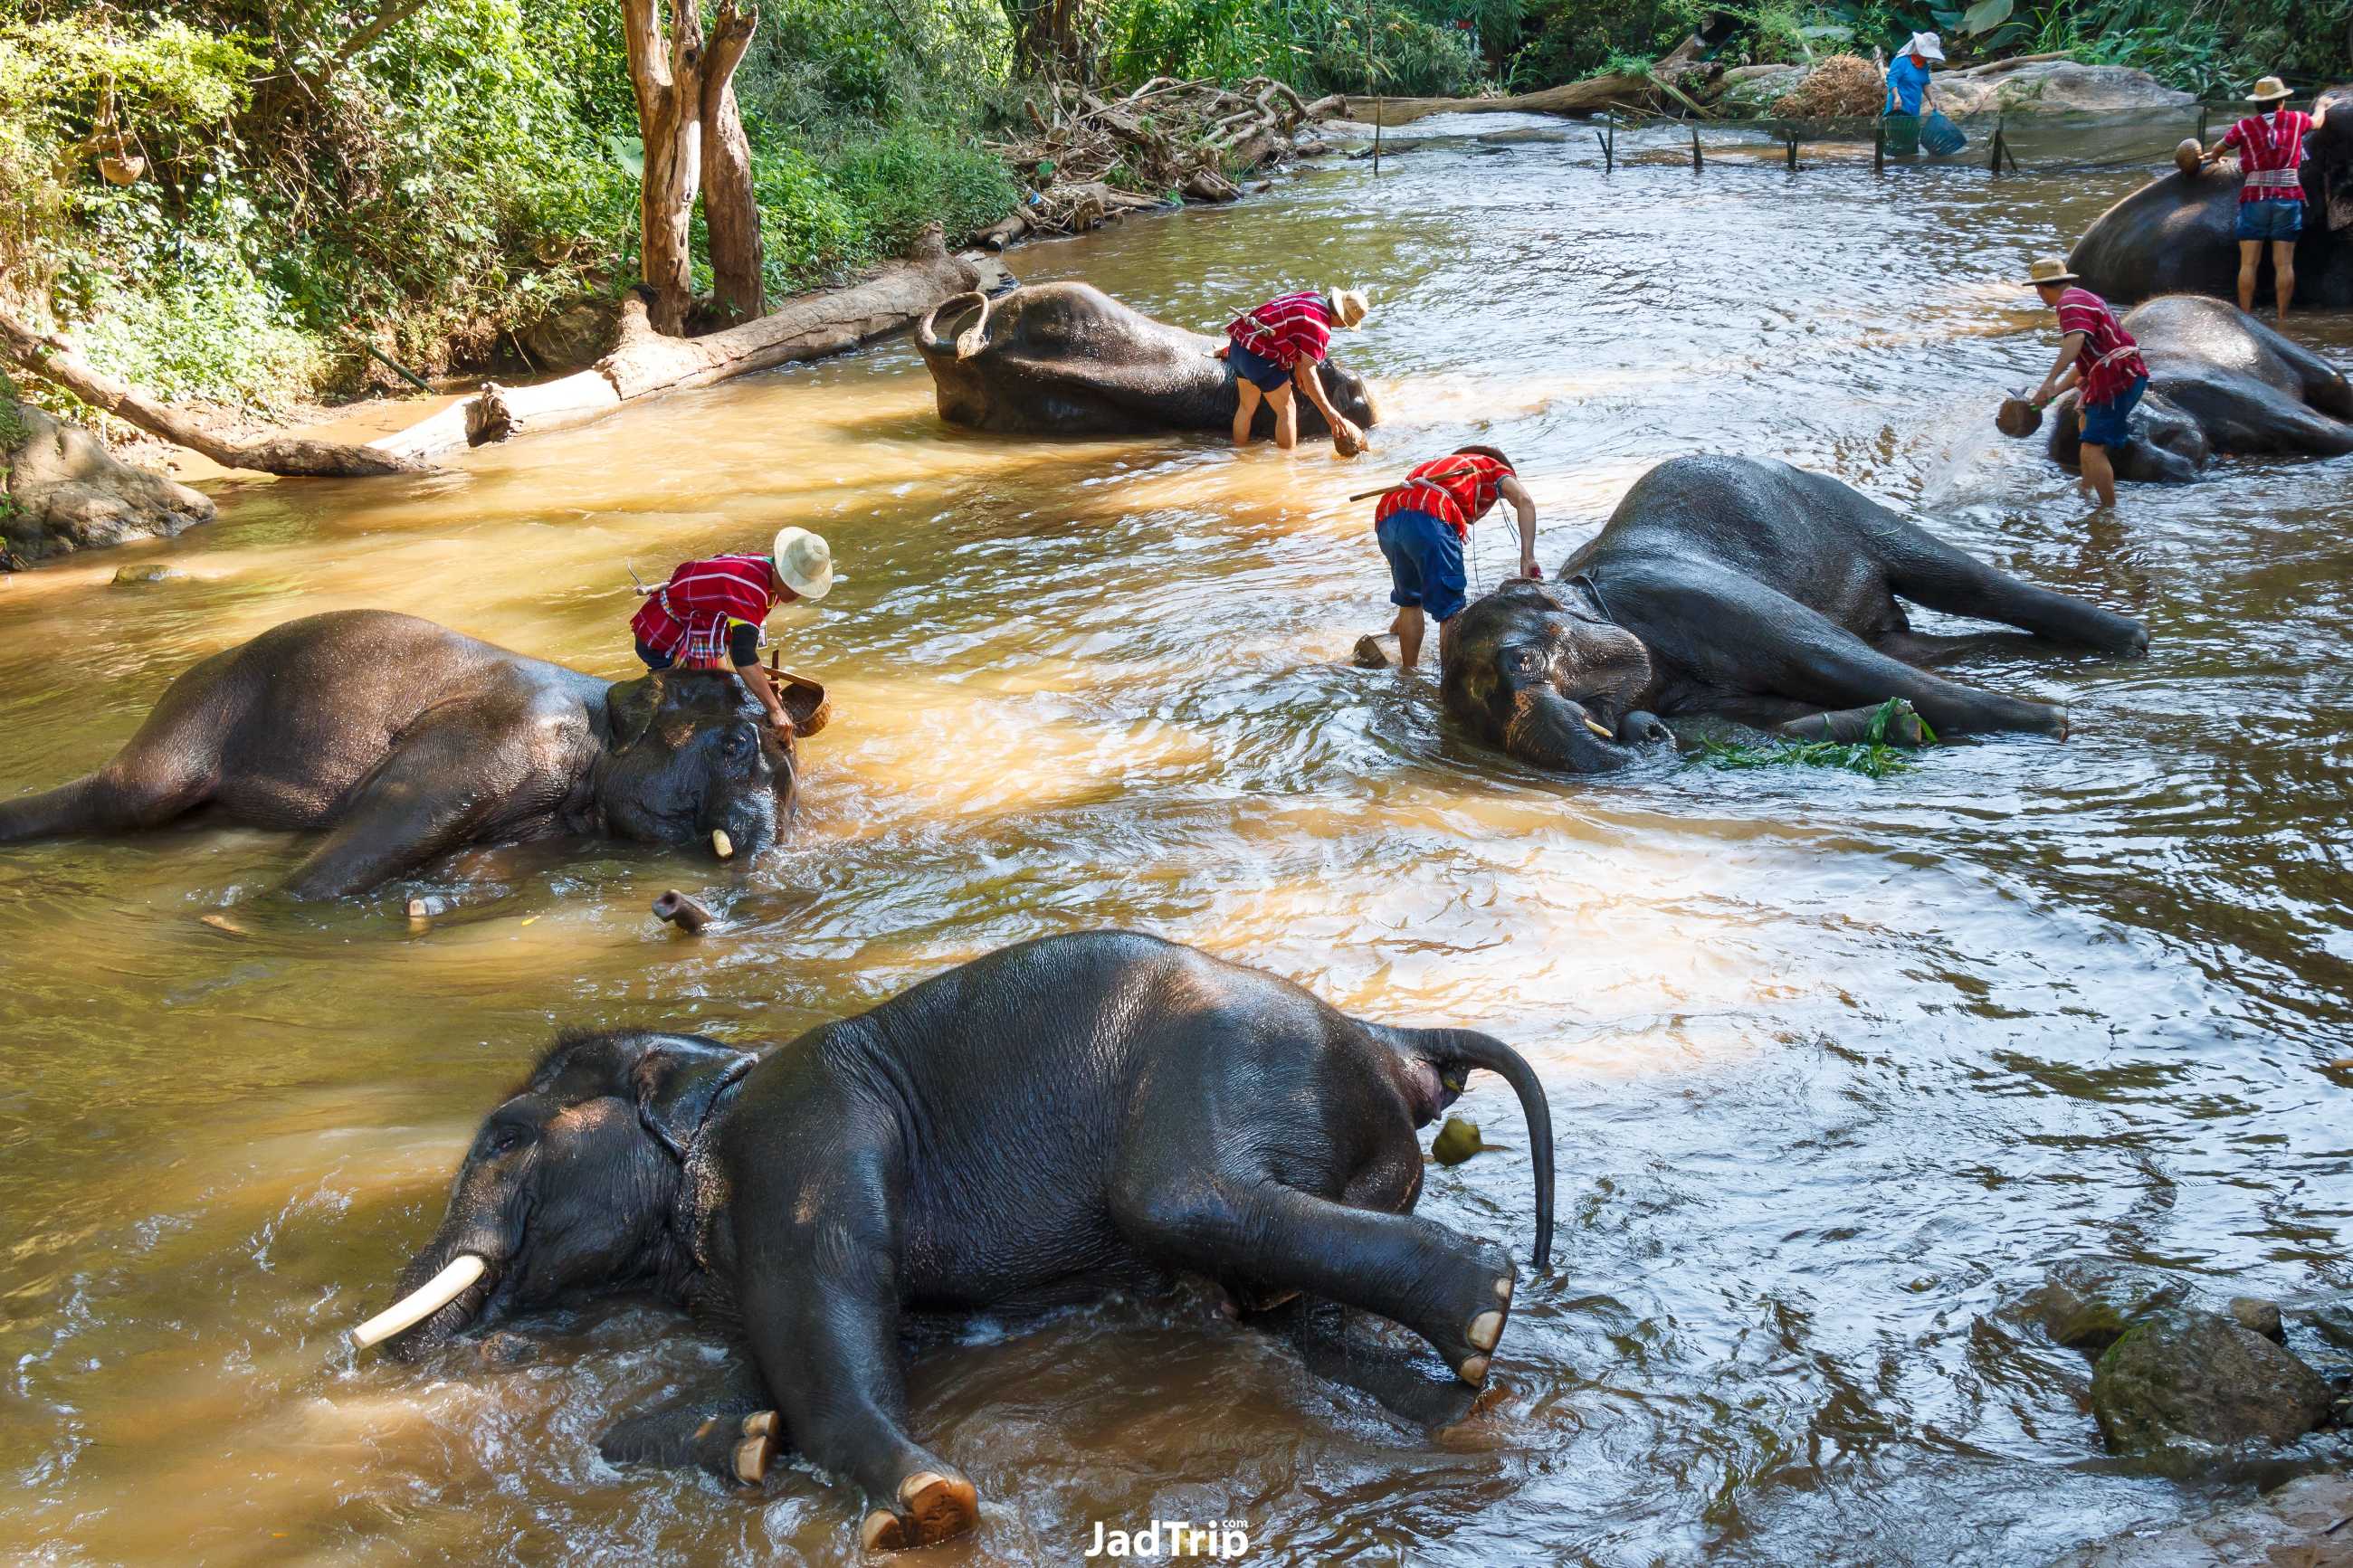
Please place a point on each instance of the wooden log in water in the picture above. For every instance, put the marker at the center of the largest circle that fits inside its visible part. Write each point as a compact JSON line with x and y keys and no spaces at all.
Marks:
{"x":645,"y":362}
{"x":1577,"y":97}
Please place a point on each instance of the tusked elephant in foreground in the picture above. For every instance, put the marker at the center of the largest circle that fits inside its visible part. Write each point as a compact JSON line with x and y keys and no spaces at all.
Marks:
{"x":1750,"y":590}
{"x":1067,"y":359}
{"x":1069,"y":1117}
{"x":2220,"y":384}
{"x":402,"y":740}
{"x":2178,"y":234}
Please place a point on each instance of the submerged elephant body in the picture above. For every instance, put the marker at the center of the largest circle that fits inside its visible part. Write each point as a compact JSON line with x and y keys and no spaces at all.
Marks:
{"x":1071,"y":1116}
{"x":2178,"y":234}
{"x":402,"y":739}
{"x":1751,"y":590}
{"x":1066,"y":359}
{"x":2220,"y":384}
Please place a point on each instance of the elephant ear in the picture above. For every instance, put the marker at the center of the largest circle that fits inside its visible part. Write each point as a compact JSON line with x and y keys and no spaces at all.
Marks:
{"x":632,"y":706}
{"x":677,"y":1080}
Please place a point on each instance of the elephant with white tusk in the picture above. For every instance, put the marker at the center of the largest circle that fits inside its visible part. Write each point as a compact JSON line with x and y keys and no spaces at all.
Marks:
{"x":1067,"y":359}
{"x":1075,"y":1116}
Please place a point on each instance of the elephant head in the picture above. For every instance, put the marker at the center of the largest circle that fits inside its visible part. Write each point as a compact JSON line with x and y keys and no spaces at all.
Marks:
{"x":2328,"y":161}
{"x":568,"y":1187}
{"x":688,"y":756}
{"x":1533,"y":670}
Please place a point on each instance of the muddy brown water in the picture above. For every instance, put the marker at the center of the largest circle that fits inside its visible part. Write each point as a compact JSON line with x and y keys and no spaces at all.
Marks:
{"x":1838,"y":1067}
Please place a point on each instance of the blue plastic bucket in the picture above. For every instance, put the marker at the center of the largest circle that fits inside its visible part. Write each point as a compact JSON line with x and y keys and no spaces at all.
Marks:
{"x":1940,"y":136}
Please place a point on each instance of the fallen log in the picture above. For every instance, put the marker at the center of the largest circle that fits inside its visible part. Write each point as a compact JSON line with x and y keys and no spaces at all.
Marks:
{"x":645,"y":362}
{"x":54,"y":361}
{"x":1588,"y":96}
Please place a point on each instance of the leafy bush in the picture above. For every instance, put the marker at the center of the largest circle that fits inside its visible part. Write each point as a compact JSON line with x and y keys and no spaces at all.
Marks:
{"x":214,"y":331}
{"x":1571,"y":39}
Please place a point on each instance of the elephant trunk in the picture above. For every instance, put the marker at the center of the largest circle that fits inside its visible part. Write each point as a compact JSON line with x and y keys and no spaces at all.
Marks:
{"x":965,"y":345}
{"x":1549,"y":730}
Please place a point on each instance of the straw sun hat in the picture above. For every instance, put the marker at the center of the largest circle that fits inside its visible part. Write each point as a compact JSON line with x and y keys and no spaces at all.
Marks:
{"x":803,"y":562}
{"x":2049,"y":270}
{"x":2269,"y":90}
{"x":1347,"y":305}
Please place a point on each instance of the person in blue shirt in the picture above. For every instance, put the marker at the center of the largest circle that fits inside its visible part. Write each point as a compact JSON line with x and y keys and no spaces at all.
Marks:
{"x":1907,"y":78}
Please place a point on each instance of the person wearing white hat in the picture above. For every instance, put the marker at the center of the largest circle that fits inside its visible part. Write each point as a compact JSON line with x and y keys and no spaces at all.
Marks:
{"x":709,"y":615}
{"x":2271,"y":190}
{"x":1907,"y":77}
{"x":1278,"y":345}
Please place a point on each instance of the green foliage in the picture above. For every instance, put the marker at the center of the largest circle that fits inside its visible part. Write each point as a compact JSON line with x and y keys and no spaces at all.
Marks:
{"x":1872,"y":756}
{"x":210,"y":331}
{"x":822,"y":217}
{"x":1570,"y":39}
{"x":1419,"y":46}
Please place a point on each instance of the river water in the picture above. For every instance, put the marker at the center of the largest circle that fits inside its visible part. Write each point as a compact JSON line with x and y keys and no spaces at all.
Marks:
{"x":1837,"y":1067}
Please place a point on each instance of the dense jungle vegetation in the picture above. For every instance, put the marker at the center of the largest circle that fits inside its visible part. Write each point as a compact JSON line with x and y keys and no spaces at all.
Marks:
{"x":221,"y":198}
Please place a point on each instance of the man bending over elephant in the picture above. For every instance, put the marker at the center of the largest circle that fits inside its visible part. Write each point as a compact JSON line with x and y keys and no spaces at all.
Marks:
{"x":709,"y":615}
{"x":1280,"y":343}
{"x":1078,"y":1115}
{"x":2269,"y":144}
{"x":1422,"y":523}
{"x":2096,"y":353}
{"x":1751,"y":591}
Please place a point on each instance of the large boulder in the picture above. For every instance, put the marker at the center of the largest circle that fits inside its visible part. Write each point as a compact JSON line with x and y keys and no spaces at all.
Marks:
{"x":2056,"y":86}
{"x":2185,"y":1376}
{"x":2290,"y":1527}
{"x":66,"y":491}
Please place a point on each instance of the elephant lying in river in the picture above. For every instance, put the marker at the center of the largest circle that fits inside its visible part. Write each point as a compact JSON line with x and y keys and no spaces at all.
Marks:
{"x":1060,"y":1119}
{"x":2220,"y":383}
{"x":1749,"y":589}
{"x":2178,"y":234}
{"x":1066,"y":359}
{"x":405,"y":739}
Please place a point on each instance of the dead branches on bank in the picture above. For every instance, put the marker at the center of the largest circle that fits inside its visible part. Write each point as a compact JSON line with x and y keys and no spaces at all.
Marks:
{"x":1092,"y":158}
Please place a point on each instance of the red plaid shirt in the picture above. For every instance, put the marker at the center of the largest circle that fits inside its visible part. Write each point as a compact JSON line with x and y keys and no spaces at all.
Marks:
{"x":2109,"y":360}
{"x":1286,"y":330}
{"x":1458,"y":490}
{"x":688,"y":616}
{"x":2271,"y":155}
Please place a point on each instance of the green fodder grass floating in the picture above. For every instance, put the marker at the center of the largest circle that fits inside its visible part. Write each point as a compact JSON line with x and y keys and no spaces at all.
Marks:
{"x":1872,"y":756}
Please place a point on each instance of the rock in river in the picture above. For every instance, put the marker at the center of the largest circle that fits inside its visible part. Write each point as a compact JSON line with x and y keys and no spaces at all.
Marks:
{"x":70,"y":493}
{"x":2194,"y":1377}
{"x":2087,"y":1303}
{"x":2291,"y":1526}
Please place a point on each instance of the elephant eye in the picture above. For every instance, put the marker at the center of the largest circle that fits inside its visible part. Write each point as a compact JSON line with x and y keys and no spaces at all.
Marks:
{"x":738,"y":741}
{"x":505,"y":1140}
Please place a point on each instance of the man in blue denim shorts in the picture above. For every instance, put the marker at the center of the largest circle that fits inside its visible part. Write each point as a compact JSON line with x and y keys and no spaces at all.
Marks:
{"x":1421,"y":523}
{"x":2270,"y":143}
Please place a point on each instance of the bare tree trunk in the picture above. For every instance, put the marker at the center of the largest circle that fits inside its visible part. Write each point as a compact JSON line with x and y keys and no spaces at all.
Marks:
{"x":731,"y":212}
{"x":686,"y":114}
{"x":53,"y":359}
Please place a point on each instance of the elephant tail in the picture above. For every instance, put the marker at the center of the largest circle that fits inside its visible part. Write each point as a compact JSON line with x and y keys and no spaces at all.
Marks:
{"x":1454,"y":1052}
